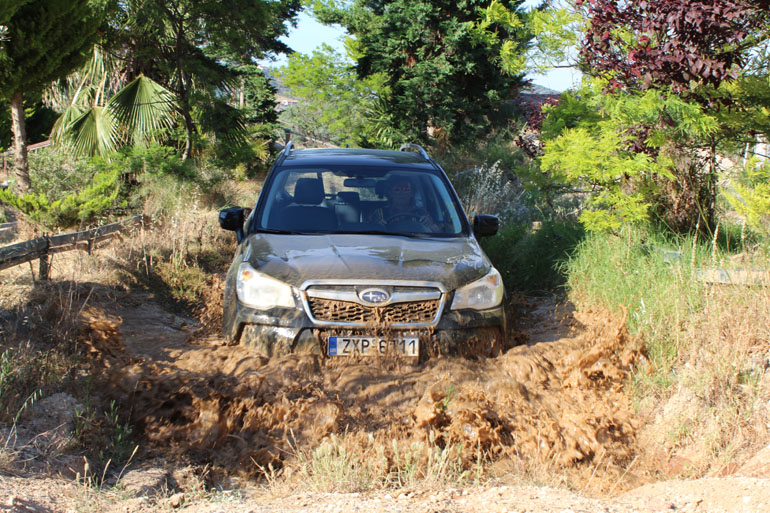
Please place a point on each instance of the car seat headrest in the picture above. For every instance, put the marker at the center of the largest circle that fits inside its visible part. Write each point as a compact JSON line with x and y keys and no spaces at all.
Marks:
{"x":309,"y":191}
{"x":350,"y":197}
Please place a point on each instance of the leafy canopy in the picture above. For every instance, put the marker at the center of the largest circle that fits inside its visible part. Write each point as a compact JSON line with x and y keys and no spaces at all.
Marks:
{"x":334,"y":105}
{"x":670,"y":42}
{"x":441,"y":66}
{"x":593,"y":142}
{"x":750,"y":195}
{"x":46,"y":39}
{"x":175,"y":63}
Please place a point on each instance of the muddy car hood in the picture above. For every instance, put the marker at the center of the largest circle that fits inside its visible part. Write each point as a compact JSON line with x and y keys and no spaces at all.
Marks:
{"x":295,"y":259}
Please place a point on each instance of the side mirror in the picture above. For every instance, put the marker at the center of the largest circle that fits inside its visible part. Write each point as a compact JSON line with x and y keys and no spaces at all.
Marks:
{"x":232,"y":219}
{"x":485,"y":225}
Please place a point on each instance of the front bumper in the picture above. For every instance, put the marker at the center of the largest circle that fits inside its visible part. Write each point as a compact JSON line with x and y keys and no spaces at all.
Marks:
{"x":278,"y":332}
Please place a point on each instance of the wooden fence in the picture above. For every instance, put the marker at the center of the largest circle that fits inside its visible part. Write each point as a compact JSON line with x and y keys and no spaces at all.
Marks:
{"x":746,"y":277}
{"x":43,"y":247}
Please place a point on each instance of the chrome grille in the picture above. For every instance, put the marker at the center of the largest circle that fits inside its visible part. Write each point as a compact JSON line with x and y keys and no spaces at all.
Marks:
{"x":344,"y":303}
{"x":413,"y":312}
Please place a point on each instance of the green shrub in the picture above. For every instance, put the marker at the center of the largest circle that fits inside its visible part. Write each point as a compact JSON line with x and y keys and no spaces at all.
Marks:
{"x":57,"y":174}
{"x":750,"y":196}
{"x":78,"y":207}
{"x":530,"y":257}
{"x":154,"y":159}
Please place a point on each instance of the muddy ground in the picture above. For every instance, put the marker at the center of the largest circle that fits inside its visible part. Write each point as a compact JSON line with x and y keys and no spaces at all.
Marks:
{"x":556,"y":402}
{"x":554,"y":412}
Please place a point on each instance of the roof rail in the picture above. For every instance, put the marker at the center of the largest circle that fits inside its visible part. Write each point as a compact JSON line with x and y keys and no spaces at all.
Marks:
{"x":417,"y":148}
{"x":287,"y":149}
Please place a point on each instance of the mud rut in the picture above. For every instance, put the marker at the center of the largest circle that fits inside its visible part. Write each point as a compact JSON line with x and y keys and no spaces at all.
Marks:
{"x":555,"y":404}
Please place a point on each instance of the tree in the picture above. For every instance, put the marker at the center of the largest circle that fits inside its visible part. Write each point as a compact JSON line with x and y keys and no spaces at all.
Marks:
{"x":592,"y":142}
{"x":192,"y":47}
{"x":7,"y":10}
{"x":441,"y":68}
{"x":644,"y":43}
{"x":186,"y":57}
{"x":46,"y":39}
{"x":334,"y":105}
{"x":100,"y":111}
{"x":693,"y":49}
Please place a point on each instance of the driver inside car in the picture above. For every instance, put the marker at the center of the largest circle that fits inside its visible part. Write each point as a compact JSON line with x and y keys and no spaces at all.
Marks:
{"x":401,"y":207}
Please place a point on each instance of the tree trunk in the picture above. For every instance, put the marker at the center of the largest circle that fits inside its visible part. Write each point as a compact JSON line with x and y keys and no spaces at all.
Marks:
{"x":189,"y":126}
{"x":21,"y":163}
{"x":241,"y":99}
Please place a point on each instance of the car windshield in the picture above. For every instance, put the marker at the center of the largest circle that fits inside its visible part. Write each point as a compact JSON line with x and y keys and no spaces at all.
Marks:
{"x":359,"y":200}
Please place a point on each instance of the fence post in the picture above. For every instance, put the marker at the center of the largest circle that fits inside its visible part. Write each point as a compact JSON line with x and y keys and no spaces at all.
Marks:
{"x":44,"y":267}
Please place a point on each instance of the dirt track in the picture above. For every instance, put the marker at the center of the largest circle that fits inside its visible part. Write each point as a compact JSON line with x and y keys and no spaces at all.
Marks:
{"x":553,"y":411}
{"x":556,"y":404}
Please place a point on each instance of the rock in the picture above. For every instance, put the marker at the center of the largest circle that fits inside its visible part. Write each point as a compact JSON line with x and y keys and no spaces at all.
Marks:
{"x":147,"y":482}
{"x":176,"y":500}
{"x":758,"y":466}
{"x":52,"y":414}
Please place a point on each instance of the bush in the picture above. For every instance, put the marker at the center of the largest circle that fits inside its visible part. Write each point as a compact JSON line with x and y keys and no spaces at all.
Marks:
{"x":490,"y":190}
{"x":56,"y":174}
{"x":78,"y":207}
{"x":154,"y":160}
{"x":70,"y":191}
{"x":750,"y":196}
{"x":531,"y":257}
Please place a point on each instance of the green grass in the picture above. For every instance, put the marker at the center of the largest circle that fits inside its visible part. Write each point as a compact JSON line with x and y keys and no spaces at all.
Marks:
{"x":632,"y":271}
{"x":530,"y":259}
{"x":655,"y":279}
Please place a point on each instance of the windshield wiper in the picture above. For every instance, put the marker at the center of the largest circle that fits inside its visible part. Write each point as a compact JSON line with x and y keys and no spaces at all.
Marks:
{"x":280,"y":232}
{"x":381,"y":232}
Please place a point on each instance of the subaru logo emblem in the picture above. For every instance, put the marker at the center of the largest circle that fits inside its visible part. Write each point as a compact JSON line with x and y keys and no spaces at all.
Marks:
{"x":374,"y":296}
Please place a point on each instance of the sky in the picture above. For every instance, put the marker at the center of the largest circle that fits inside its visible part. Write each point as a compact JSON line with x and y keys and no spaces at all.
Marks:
{"x":309,"y":35}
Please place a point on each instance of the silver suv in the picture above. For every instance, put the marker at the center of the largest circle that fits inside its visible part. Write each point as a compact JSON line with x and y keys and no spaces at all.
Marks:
{"x":353,"y":251}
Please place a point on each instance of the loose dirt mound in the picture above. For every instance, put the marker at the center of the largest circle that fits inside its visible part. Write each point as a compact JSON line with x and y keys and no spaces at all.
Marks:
{"x":556,"y":405}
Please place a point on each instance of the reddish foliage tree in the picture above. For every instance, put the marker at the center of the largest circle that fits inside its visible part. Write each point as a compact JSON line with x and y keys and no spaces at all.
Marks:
{"x":644,"y":43}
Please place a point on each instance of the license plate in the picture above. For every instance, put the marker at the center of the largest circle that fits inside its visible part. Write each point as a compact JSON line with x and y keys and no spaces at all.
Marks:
{"x":345,"y":346}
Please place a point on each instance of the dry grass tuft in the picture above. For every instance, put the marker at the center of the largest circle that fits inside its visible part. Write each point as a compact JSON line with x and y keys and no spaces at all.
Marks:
{"x":719,"y":412}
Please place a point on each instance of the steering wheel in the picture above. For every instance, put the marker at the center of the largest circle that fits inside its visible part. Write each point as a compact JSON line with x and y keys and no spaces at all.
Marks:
{"x":403,"y":216}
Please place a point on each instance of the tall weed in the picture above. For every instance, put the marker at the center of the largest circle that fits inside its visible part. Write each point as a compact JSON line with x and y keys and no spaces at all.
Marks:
{"x":530,"y":256}
{"x":652,"y":279}
{"x":492,"y":190}
{"x":708,"y":345}
{"x":350,"y":464}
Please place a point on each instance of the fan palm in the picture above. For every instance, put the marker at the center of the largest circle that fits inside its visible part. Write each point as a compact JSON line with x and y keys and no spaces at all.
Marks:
{"x":93,"y":124}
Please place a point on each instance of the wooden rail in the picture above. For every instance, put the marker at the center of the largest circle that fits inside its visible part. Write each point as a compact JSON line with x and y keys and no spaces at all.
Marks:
{"x":746,"y":277}
{"x":42,"y":247}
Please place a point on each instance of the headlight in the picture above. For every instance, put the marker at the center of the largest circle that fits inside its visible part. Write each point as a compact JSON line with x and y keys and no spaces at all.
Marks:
{"x":260,"y":291}
{"x":481,"y":294}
